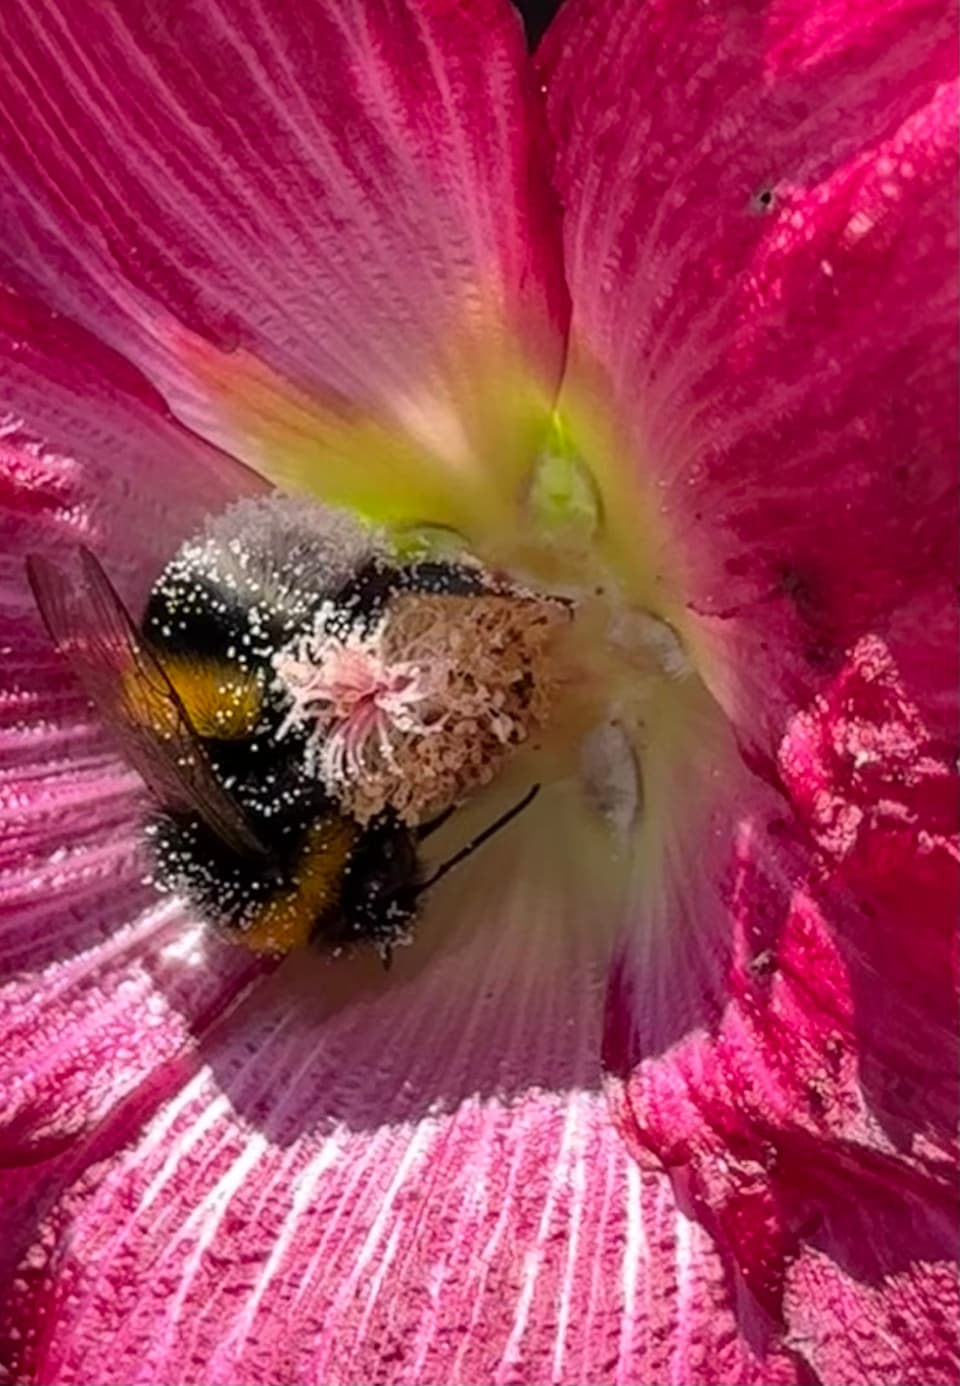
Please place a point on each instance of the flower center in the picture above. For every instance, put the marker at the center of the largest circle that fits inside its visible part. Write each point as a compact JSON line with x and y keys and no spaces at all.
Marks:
{"x":613,"y":658}
{"x":392,"y":678}
{"x":540,"y":658}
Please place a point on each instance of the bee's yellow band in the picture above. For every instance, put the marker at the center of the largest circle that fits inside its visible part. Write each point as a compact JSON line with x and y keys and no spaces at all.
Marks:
{"x":287,"y":920}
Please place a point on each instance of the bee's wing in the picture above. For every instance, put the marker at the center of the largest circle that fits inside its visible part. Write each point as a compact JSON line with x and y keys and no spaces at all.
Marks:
{"x":92,"y":628}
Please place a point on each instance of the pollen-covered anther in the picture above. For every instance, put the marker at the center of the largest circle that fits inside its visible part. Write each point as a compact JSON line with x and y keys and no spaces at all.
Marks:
{"x":418,"y":712}
{"x":350,"y":697}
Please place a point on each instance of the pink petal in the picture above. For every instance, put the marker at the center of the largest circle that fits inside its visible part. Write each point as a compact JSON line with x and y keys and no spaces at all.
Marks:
{"x":781,"y":1024}
{"x":91,"y":455}
{"x":283,"y":212}
{"x":100,"y":990}
{"x":760,"y":238}
{"x":400,"y":1179}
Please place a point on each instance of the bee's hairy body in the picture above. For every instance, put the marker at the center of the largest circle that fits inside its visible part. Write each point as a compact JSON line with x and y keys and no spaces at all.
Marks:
{"x":197,"y":696}
{"x":215,"y":620}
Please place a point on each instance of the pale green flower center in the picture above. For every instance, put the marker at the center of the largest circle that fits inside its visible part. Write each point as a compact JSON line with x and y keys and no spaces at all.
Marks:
{"x":612,"y":658}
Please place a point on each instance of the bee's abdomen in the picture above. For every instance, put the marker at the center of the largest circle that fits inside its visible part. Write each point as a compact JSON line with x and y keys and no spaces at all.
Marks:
{"x":288,"y":918}
{"x":270,"y":906}
{"x":190,"y":615}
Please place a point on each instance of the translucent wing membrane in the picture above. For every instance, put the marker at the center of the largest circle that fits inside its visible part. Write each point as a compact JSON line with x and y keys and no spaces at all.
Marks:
{"x":92,"y":628}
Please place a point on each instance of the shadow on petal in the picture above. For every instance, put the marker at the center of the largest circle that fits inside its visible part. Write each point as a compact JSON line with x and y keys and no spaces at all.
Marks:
{"x":500,"y":992}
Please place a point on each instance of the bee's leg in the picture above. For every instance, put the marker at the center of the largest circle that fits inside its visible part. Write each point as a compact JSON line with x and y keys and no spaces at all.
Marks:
{"x":479,"y":840}
{"x":386,"y":956}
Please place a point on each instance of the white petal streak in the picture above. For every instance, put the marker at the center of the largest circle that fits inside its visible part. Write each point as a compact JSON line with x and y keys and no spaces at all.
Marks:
{"x":684,"y":1283}
{"x":333,"y":1247}
{"x":210,"y":1114}
{"x":205,"y":1221}
{"x":466,"y":1215}
{"x":578,"y":1185}
{"x":414,"y":1147}
{"x":635,"y":1252}
{"x":534,"y":1256}
{"x":304,"y":1187}
{"x":491,"y":1254}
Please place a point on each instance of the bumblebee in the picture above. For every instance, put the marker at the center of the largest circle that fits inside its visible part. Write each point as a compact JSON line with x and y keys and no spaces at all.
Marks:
{"x":242,"y":827}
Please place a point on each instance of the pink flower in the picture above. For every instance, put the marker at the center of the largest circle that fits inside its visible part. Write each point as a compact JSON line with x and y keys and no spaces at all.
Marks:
{"x":368,"y":249}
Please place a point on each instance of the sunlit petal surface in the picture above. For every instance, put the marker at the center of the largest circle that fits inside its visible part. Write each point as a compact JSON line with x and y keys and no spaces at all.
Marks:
{"x":760,"y":244}
{"x":321,"y":229}
{"x":95,"y":1003}
{"x":410,"y":1178}
{"x":759,"y":234}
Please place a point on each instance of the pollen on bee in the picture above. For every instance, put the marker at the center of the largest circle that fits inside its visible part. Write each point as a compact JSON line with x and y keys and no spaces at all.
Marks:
{"x":418,"y":710}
